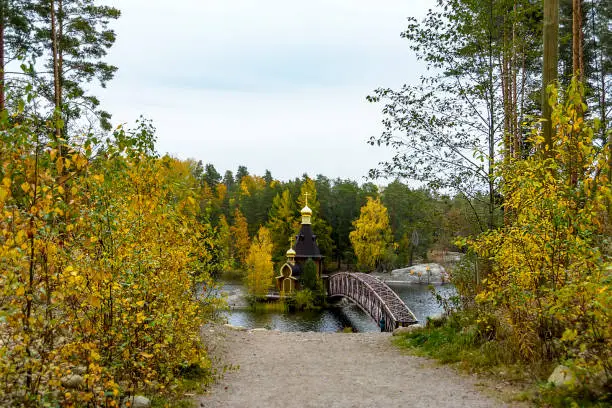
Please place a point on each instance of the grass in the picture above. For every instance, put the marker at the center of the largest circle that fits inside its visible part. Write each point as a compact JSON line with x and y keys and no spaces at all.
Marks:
{"x":460,"y":341}
{"x":193,"y":380}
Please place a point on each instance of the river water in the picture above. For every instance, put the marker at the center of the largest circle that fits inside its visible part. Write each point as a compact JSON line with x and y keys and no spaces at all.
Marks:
{"x":344,"y":314}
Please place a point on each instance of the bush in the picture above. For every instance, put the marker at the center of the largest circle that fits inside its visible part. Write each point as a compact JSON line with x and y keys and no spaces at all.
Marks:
{"x":551,"y":275}
{"x":305,"y":300}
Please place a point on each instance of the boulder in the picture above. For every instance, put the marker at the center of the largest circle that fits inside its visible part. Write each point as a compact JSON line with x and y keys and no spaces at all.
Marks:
{"x":421,"y":273}
{"x":258,"y":329}
{"x":137,"y":401}
{"x":563,"y":376}
{"x":73,"y":381}
{"x":407,"y":329}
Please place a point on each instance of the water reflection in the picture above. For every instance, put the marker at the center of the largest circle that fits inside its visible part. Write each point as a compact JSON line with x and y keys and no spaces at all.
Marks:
{"x":417,"y":298}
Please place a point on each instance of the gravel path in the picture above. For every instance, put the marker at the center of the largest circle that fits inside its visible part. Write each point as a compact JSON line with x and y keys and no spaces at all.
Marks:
{"x":334,"y":370}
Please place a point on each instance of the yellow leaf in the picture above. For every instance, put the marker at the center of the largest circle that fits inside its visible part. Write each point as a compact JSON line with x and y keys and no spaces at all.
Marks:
{"x":25,"y":187}
{"x":20,"y":291}
{"x":94,"y":301}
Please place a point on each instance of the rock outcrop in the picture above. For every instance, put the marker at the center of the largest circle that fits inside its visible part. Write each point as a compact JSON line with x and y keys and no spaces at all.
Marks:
{"x":422,"y":273}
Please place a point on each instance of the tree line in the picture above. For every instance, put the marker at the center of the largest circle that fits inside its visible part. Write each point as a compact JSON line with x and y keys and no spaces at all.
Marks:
{"x":417,"y":219}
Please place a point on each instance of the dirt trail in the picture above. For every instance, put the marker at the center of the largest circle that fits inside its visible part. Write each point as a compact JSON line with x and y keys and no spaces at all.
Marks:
{"x":334,"y":370}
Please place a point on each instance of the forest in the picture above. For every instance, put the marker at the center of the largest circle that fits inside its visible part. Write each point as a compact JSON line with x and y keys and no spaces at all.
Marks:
{"x":419,"y":220}
{"x":110,"y":251}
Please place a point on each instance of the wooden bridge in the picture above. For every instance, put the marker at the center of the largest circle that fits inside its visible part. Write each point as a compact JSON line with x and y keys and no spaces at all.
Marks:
{"x":373,"y":296}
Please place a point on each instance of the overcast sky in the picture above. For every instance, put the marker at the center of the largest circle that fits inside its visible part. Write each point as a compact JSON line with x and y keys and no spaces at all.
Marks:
{"x":269,"y":84}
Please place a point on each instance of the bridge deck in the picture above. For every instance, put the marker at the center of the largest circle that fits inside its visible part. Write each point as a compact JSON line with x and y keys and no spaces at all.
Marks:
{"x":374,"y":297}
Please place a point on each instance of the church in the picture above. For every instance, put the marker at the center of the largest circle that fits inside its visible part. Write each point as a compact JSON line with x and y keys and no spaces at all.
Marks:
{"x":304,"y":247}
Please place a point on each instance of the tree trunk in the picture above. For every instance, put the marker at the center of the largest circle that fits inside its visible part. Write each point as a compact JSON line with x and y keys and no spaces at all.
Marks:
{"x":491,"y":141}
{"x":3,"y":12}
{"x":56,"y":73}
{"x":577,"y":52}
{"x":549,"y":72}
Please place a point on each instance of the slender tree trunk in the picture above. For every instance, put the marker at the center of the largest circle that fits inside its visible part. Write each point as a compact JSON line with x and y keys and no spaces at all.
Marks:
{"x":578,"y":72}
{"x":549,"y":74}
{"x":577,"y":52}
{"x":3,"y":12}
{"x":60,"y":61}
{"x":56,"y":73}
{"x":515,"y":123}
{"x":522,"y":105}
{"x":491,"y":137}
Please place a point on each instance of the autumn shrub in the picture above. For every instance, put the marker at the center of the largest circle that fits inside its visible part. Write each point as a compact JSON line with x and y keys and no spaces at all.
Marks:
{"x":550,"y":278}
{"x":304,"y":300}
{"x":102,"y":258}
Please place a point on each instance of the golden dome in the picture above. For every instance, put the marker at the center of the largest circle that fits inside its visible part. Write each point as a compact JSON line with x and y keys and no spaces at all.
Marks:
{"x":306,"y":210}
{"x":291,"y":252}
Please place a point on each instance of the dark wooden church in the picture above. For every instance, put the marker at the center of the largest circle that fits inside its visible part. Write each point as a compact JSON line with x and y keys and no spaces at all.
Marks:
{"x":304,"y":248}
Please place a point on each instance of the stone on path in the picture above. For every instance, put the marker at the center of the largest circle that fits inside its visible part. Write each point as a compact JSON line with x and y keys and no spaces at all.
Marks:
{"x":138,"y":401}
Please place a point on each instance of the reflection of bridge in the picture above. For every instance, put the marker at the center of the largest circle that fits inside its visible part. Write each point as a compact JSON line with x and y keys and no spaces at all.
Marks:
{"x":373,"y":296}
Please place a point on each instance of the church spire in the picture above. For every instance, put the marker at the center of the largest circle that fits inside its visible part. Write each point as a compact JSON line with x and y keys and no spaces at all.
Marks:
{"x":291,"y":252}
{"x":306,"y":212}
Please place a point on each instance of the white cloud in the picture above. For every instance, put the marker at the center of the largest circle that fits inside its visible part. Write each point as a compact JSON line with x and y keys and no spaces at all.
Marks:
{"x":272,"y":84}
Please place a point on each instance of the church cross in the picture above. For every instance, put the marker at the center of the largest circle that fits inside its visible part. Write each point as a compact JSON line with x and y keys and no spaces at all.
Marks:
{"x":306,"y":194}
{"x":290,"y":242}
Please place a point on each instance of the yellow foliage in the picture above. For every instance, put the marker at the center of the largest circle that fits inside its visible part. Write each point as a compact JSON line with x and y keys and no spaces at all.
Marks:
{"x":260,"y":268}
{"x":102,"y":277}
{"x":372,"y":234}
{"x":249,"y":184}
{"x":551,"y":272}
{"x":240,"y":236}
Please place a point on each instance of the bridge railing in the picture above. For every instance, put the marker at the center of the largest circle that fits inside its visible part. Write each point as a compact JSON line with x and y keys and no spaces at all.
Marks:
{"x":373,"y":296}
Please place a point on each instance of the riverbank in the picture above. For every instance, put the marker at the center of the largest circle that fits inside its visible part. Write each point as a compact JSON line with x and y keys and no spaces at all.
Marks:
{"x":307,"y":369}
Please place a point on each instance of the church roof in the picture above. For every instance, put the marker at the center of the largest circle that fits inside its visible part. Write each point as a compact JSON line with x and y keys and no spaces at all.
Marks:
{"x":306,"y":243}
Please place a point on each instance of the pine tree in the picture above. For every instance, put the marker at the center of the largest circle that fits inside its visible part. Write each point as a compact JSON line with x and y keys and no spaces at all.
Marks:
{"x":320,"y":226}
{"x":15,"y":40}
{"x":282,"y":223}
{"x":74,"y":36}
{"x":309,"y":278}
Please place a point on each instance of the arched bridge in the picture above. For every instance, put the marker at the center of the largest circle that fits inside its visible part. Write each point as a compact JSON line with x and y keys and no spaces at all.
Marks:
{"x":373,"y":296}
